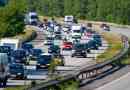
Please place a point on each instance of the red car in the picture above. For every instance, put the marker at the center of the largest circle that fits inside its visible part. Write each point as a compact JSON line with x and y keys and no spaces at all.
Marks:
{"x":67,"y":45}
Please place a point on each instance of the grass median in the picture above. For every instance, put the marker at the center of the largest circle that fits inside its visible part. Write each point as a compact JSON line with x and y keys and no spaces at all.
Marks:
{"x":15,"y":88}
{"x":114,"y":46}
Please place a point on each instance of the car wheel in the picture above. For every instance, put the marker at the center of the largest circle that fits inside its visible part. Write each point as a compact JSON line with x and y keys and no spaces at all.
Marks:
{"x":88,"y":51}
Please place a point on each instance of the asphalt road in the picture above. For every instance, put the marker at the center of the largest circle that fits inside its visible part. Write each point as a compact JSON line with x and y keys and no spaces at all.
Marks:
{"x":122,"y":83}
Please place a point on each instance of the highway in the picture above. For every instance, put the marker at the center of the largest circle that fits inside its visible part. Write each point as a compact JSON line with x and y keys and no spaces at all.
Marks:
{"x":71,"y":63}
{"x":125,"y":80}
{"x":122,"y":83}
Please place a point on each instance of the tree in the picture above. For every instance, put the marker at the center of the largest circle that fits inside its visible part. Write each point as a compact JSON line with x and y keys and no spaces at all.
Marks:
{"x":12,"y":18}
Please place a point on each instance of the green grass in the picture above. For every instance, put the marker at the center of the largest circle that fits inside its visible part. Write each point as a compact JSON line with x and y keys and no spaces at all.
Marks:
{"x":15,"y":88}
{"x":115,"y":45}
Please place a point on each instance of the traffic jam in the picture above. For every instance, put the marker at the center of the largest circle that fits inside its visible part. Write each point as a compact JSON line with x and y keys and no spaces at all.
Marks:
{"x":17,"y":57}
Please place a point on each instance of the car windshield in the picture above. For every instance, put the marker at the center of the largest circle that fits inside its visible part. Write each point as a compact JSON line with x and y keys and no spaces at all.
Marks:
{"x":19,"y":53}
{"x":66,"y":43}
{"x":50,"y":38}
{"x":57,"y":32}
{"x":34,"y":17}
{"x":79,"y":46}
{"x":44,"y":58}
{"x":76,"y":31}
{"x":15,"y":66}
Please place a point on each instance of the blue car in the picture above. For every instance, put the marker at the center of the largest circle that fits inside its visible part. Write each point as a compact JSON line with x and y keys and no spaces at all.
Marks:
{"x":27,"y":47}
{"x":36,"y":52}
{"x":19,"y":56}
{"x":16,"y":71}
{"x":44,"y":60}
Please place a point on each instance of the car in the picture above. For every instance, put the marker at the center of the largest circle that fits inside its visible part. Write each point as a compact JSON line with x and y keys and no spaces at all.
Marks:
{"x":105,"y":27}
{"x":92,"y":44}
{"x":54,"y":49}
{"x":19,"y":56}
{"x":27,"y":47}
{"x":67,"y":45}
{"x":44,"y":60}
{"x":97,"y":39}
{"x":49,"y":40}
{"x":79,"y":50}
{"x":35,"y":52}
{"x":16,"y":71}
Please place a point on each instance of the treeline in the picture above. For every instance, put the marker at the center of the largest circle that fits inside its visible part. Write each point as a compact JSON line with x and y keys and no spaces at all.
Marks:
{"x":12,"y":18}
{"x":117,"y":11}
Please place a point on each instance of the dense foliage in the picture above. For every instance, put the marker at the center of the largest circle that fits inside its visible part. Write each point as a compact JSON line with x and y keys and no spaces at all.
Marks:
{"x":12,"y":18}
{"x":117,"y":11}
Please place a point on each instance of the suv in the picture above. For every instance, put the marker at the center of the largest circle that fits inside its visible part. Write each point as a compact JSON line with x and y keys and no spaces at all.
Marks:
{"x":79,"y":50}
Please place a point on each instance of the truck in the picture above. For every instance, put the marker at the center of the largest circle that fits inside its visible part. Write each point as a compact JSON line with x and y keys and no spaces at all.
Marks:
{"x":68,"y":20}
{"x":76,"y":32}
{"x":4,"y":69}
{"x":14,"y":44}
{"x":31,"y":18}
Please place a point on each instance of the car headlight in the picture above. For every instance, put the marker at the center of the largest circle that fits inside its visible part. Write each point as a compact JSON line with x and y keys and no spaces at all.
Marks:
{"x":73,"y":51}
{"x":19,"y":73}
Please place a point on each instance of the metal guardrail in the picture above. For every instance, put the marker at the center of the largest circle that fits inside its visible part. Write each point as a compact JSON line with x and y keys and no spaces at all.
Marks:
{"x":89,"y":72}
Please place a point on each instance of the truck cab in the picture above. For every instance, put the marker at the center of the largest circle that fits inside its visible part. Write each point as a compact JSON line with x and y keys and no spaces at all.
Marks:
{"x":4,"y":69}
{"x":31,"y":18}
{"x":68,"y":20}
{"x":14,"y":44}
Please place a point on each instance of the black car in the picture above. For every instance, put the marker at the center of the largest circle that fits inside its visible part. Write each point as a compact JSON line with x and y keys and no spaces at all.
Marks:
{"x":79,"y":50}
{"x":105,"y":27}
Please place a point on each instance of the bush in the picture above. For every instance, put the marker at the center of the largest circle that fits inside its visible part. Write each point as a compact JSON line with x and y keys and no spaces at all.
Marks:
{"x":27,"y":35}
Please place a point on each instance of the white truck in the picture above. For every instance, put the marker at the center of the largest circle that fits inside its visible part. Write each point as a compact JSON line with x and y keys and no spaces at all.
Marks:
{"x":4,"y":69}
{"x":69,"y":20}
{"x":14,"y":44}
{"x":31,"y":18}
